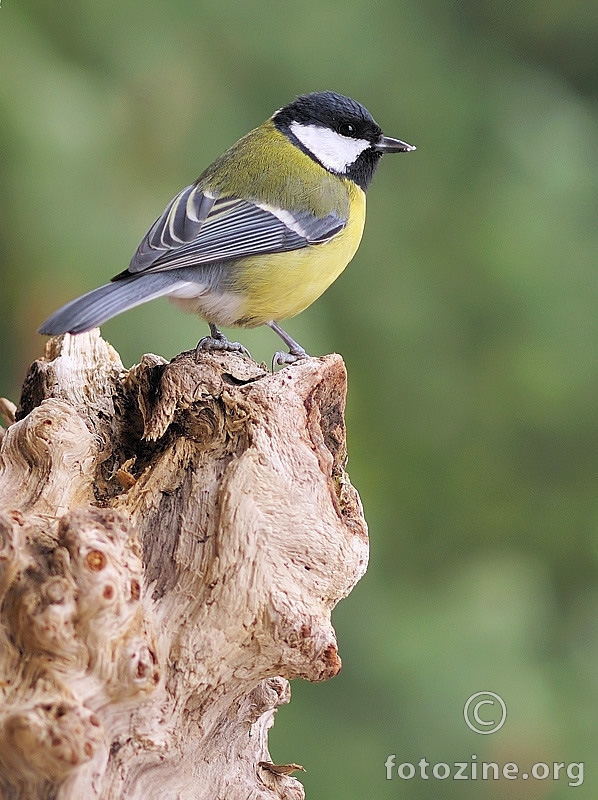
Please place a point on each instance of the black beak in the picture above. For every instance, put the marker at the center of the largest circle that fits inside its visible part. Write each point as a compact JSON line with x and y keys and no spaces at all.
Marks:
{"x":386,"y":144}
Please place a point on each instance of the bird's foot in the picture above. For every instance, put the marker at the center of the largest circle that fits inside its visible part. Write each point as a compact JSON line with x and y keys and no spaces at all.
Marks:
{"x":218,"y":341}
{"x":282,"y":359}
{"x":296,"y":352}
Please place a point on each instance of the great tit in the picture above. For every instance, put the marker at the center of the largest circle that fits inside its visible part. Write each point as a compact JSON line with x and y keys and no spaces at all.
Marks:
{"x":262,"y":232}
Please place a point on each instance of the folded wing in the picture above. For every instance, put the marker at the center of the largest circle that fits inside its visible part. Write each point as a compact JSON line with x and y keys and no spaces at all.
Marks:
{"x":198,"y":229}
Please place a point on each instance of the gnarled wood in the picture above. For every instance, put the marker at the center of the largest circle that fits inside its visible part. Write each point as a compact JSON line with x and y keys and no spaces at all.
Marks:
{"x":172,"y":541}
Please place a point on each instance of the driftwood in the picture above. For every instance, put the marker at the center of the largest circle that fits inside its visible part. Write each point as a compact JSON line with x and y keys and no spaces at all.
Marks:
{"x":172,"y":541}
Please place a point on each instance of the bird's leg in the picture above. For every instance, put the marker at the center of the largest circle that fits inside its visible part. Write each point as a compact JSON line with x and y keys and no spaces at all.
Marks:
{"x":218,"y":341}
{"x":296,"y":352}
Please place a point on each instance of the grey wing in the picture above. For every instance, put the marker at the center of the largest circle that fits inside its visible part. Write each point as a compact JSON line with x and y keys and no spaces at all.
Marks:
{"x":198,"y":229}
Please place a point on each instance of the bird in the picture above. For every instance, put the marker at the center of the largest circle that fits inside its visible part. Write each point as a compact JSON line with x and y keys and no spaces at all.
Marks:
{"x":261,"y":233}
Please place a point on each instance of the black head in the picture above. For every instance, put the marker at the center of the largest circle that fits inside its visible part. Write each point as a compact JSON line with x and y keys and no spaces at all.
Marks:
{"x":338,"y":133}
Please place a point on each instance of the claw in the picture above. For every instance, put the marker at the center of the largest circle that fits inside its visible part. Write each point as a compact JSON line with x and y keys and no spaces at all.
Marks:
{"x":281,"y":358}
{"x":218,"y":341}
{"x":296,"y":352}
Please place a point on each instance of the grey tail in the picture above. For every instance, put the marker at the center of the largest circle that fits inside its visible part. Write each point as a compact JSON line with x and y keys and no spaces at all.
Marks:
{"x":94,"y":308}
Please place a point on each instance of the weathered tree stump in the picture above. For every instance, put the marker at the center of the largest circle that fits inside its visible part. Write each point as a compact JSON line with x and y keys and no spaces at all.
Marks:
{"x":172,"y":541}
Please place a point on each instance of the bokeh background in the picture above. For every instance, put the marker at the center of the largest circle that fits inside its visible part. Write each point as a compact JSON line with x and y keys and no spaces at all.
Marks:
{"x":468,"y":322}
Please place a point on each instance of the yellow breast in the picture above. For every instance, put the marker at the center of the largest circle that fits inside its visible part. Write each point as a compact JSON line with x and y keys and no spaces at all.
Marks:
{"x":282,"y":285}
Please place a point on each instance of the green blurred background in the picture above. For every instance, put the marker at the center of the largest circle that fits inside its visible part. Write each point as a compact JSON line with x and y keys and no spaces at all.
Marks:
{"x":467,"y":321}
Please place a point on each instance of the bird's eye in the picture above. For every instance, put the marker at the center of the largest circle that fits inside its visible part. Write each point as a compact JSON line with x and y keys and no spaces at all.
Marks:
{"x":346,"y":129}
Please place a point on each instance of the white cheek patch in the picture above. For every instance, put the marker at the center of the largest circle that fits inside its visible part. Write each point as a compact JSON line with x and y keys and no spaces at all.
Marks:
{"x":333,"y":151}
